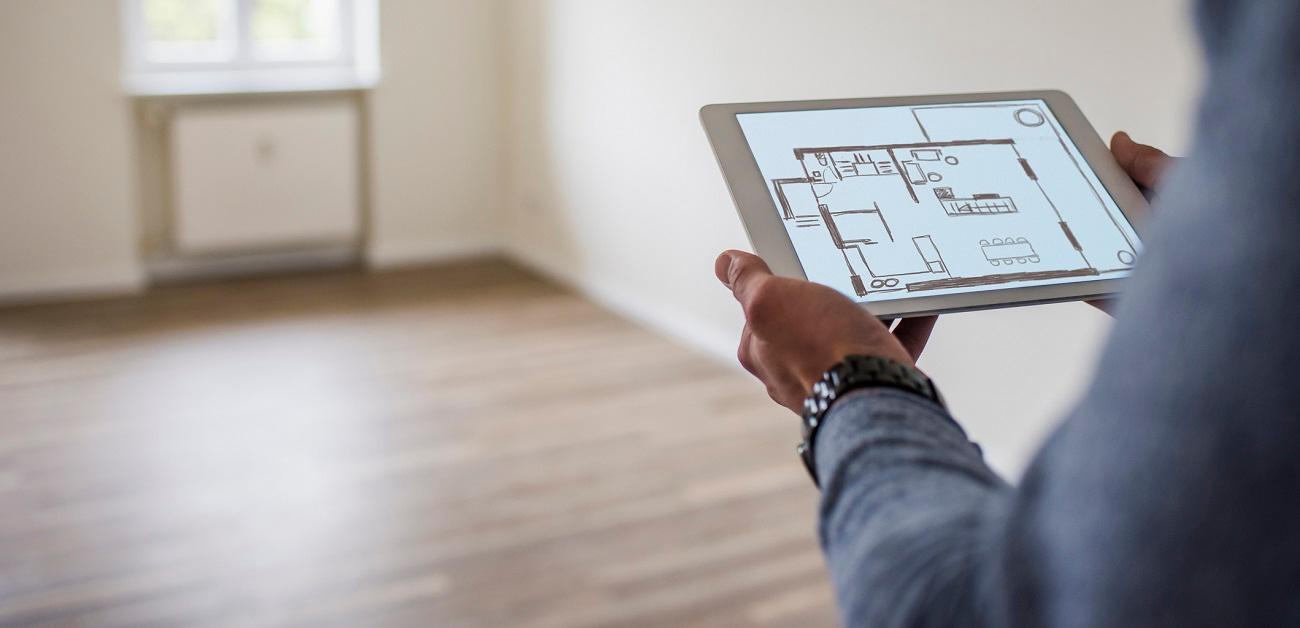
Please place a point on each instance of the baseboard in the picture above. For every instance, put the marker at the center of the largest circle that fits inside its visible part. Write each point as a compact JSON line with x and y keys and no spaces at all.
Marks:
{"x":192,"y":268}
{"x":71,"y":285}
{"x":671,"y":322}
{"x":389,"y":255}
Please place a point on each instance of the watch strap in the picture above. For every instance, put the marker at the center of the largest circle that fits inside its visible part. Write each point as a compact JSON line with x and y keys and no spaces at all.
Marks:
{"x":853,"y":373}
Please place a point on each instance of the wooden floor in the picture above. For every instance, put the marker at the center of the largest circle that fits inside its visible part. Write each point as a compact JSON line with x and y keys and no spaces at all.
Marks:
{"x":465,"y":446}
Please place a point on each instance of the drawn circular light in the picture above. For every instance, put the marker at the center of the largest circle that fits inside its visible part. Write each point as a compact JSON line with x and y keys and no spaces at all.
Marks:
{"x":1029,"y":117}
{"x":934,"y":177}
{"x":952,"y":161}
{"x":1126,"y":258}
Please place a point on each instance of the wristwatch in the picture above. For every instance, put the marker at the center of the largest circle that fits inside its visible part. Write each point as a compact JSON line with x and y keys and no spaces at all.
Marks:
{"x":856,"y":372}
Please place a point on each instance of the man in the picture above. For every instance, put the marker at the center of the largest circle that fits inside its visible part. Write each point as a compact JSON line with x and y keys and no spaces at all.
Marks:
{"x":1171,"y":495}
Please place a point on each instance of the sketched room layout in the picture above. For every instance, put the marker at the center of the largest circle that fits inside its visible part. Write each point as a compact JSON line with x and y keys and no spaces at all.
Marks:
{"x":952,"y":212}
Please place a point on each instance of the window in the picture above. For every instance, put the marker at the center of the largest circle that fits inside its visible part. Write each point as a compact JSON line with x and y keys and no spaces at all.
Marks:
{"x":217,"y":46}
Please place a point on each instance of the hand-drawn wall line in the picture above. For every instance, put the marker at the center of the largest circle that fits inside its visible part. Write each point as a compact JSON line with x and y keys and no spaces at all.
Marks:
{"x":849,"y":190}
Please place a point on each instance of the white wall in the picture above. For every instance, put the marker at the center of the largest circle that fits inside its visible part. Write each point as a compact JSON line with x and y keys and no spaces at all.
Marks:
{"x":436,"y":146}
{"x":67,"y":219}
{"x":614,"y":188}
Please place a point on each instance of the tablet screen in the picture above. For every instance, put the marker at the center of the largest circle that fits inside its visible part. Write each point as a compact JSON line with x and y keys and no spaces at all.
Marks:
{"x":888,"y":203}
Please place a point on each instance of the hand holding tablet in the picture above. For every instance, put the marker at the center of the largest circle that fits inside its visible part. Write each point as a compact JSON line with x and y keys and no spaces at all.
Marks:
{"x":932,"y":204}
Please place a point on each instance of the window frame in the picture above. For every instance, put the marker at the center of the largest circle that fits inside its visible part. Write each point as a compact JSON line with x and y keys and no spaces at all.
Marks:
{"x":355,"y":64}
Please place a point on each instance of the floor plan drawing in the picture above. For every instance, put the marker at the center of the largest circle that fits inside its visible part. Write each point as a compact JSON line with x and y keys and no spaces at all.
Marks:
{"x":961,"y":197}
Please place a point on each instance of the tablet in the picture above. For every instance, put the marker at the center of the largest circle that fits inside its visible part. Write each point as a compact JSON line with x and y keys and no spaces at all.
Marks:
{"x":929,"y":204}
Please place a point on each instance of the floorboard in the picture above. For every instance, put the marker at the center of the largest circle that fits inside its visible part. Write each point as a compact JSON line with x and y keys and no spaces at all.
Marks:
{"x":461,"y":446}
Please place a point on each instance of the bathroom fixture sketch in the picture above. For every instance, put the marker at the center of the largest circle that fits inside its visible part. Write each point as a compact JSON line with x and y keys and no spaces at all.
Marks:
{"x":935,"y":213}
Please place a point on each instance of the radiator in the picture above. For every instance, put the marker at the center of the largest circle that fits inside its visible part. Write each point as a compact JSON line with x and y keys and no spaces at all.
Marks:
{"x":266,"y":177}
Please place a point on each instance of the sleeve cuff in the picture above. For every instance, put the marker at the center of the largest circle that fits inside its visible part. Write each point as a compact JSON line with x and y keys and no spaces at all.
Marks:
{"x":887,"y":421}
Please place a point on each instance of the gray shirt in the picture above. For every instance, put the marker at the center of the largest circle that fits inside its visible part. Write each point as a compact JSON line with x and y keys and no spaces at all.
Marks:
{"x":1171,"y":495}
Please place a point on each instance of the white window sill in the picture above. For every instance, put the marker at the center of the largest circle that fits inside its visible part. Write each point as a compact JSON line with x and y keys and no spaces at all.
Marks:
{"x":191,"y":83}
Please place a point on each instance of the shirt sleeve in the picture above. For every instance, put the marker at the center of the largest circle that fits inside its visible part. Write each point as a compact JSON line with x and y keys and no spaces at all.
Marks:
{"x":908,"y":505}
{"x":1170,"y":496}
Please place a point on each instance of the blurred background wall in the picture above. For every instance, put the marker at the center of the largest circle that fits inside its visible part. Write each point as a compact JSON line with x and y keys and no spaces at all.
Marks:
{"x":614,"y":189}
{"x":437,"y":148}
{"x":68,"y":222}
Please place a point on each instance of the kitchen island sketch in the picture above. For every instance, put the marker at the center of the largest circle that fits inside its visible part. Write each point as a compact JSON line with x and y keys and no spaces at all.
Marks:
{"x":970,"y":196}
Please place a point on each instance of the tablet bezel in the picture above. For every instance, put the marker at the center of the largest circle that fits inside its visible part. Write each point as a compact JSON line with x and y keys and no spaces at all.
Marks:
{"x":770,"y":240}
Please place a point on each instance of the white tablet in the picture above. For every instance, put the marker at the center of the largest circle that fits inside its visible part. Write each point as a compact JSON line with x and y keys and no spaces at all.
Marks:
{"x":927,"y":204}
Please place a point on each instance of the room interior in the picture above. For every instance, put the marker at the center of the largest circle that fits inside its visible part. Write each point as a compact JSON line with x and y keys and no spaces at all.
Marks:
{"x":434,"y":339}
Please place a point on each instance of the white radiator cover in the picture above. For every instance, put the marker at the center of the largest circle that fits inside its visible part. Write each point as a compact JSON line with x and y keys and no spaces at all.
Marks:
{"x":257,"y":178}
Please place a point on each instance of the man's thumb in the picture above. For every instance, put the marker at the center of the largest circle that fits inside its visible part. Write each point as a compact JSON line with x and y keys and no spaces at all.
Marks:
{"x":741,"y":272}
{"x":1143,"y":163}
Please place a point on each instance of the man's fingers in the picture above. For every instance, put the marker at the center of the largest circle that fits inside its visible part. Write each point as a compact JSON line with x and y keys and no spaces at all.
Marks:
{"x":742,"y":272}
{"x":914,"y":334}
{"x":1144,"y":164}
{"x":783,"y":385}
{"x":745,"y":354}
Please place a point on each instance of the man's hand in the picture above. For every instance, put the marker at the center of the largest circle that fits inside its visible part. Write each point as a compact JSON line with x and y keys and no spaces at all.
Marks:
{"x":1146,"y":165}
{"x":795,"y":330}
